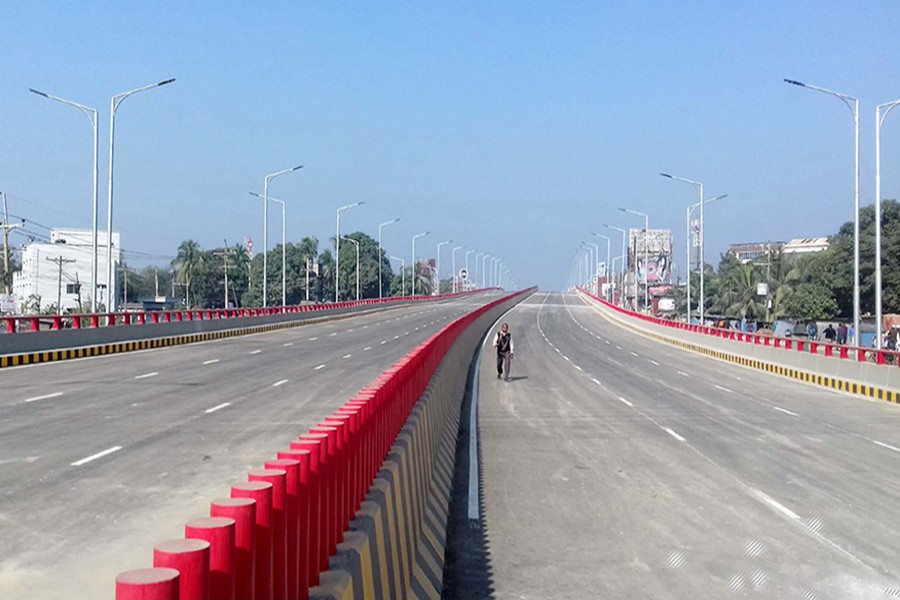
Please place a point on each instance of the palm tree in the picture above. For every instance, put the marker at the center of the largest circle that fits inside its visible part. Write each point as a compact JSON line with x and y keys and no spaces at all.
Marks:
{"x":189,"y":263}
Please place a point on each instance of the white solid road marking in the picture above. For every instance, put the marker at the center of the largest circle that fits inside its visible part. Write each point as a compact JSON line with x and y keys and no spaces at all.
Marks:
{"x":682,"y":373}
{"x":624,"y":401}
{"x":278,"y":383}
{"x":146,"y":375}
{"x":347,"y":356}
{"x":776,"y":505}
{"x":106,"y":452}
{"x":785,"y":411}
{"x":44,"y":397}
{"x":673,"y":434}
{"x":653,"y":362}
{"x":367,"y":348}
{"x":211,"y":362}
{"x":724,"y":389}
{"x":888,"y":446}
{"x":215,"y":408}
{"x":319,"y":367}
{"x":288,"y":344}
{"x":256,"y":352}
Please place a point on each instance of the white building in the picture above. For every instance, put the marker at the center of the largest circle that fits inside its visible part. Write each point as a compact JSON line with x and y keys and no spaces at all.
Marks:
{"x":806,"y":246}
{"x":62,"y":268}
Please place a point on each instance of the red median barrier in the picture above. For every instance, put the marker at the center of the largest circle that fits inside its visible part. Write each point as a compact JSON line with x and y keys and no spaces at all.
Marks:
{"x":287,"y":520}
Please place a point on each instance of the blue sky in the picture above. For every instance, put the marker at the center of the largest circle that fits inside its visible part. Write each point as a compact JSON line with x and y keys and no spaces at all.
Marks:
{"x":513,"y":127}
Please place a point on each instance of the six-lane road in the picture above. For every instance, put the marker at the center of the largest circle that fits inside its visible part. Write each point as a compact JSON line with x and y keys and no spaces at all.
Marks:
{"x":613,"y":465}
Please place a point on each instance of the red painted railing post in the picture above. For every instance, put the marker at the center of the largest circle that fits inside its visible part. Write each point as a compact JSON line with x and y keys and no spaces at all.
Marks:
{"x":304,"y":539}
{"x":243,"y":512}
{"x":218,"y":532}
{"x":141,"y":584}
{"x":317,"y":539}
{"x":278,"y":479}
{"x":291,"y":468}
{"x":191,"y":559}
{"x":262,"y":493}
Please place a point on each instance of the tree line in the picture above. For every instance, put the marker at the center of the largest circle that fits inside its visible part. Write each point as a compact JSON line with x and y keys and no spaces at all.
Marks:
{"x":815,"y":286}
{"x":196,"y":276}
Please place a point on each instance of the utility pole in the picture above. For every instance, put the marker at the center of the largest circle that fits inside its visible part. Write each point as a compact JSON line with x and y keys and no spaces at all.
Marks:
{"x":59,"y":260}
{"x":124,"y":271}
{"x":225,"y":253}
{"x":7,"y":279}
{"x":156,"y":280}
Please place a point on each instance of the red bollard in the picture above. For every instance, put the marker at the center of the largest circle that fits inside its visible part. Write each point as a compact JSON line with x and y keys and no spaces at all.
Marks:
{"x":278,"y":479}
{"x":191,"y":559}
{"x":292,"y":522}
{"x":147,"y":584}
{"x":243,"y":511}
{"x":330,"y":469}
{"x":219,"y":532}
{"x":262,"y":493}
{"x":317,"y":522}
{"x":304,"y":539}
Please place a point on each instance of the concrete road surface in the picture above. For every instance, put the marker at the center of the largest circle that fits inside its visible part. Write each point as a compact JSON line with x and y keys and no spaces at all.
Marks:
{"x":102,"y":457}
{"x":618,"y":467}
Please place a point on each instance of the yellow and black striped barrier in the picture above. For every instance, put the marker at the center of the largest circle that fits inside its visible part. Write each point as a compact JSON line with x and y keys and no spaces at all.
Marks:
{"x":835,"y":383}
{"x":45,"y":356}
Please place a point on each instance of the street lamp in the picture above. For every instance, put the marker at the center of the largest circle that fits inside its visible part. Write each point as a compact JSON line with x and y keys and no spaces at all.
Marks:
{"x":607,"y":269}
{"x":337,"y":246}
{"x":478,"y":256}
{"x":690,"y":210}
{"x":853,"y":104}
{"x":453,"y":264}
{"x":91,"y":114}
{"x":350,"y":239}
{"x":379,"y":252}
{"x":646,"y":258}
{"x":468,"y":272}
{"x":624,"y":254}
{"x":495,"y":271}
{"x":700,"y":243}
{"x":436,"y":289}
{"x":413,"y":276}
{"x":266,"y":181}
{"x":483,"y":269}
{"x":402,"y":272}
{"x":594,"y":259}
{"x":283,"y":247}
{"x":881,"y":113}
{"x":114,"y":103}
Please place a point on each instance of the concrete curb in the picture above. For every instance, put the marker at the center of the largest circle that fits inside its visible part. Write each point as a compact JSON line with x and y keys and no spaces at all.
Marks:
{"x":801,"y":374}
{"x":45,"y":356}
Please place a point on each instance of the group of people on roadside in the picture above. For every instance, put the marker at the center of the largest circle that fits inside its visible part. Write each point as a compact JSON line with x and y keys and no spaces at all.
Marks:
{"x":839,"y":335}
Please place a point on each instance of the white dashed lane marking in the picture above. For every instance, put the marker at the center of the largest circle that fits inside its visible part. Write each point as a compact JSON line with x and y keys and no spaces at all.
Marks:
{"x":367,"y":348}
{"x":653,"y":362}
{"x":673,"y":434}
{"x":785,"y":411}
{"x":211,"y":362}
{"x":88,"y":459}
{"x":256,"y":352}
{"x":346,"y":356}
{"x":288,"y":344}
{"x":625,"y":402}
{"x":44,"y":397}
{"x":215,"y":408}
{"x":724,"y":389}
{"x":146,"y":375}
{"x":319,"y":367}
{"x":888,"y":446}
{"x":279,"y":383}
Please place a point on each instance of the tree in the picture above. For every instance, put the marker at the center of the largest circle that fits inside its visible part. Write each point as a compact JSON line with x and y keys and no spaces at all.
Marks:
{"x":812,"y":301}
{"x":188,"y":264}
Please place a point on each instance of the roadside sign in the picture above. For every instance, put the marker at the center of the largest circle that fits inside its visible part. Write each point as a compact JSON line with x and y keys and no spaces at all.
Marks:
{"x":464,"y":274}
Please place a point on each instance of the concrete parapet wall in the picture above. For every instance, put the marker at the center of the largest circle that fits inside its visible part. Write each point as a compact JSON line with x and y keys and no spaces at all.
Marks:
{"x":395,"y":546}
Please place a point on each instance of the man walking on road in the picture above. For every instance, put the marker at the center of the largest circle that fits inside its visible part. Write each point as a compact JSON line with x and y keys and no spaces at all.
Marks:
{"x":504,"y":345}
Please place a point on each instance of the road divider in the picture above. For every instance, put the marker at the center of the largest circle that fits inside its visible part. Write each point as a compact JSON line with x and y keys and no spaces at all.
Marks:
{"x":795,"y":359}
{"x":129,"y":332}
{"x":357,"y":507}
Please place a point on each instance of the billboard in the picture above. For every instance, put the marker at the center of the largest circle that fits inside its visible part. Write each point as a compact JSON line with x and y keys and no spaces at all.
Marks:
{"x":650,"y":254}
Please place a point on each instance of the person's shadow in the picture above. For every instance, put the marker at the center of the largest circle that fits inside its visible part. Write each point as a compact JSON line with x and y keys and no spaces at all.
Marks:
{"x":518,"y":377}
